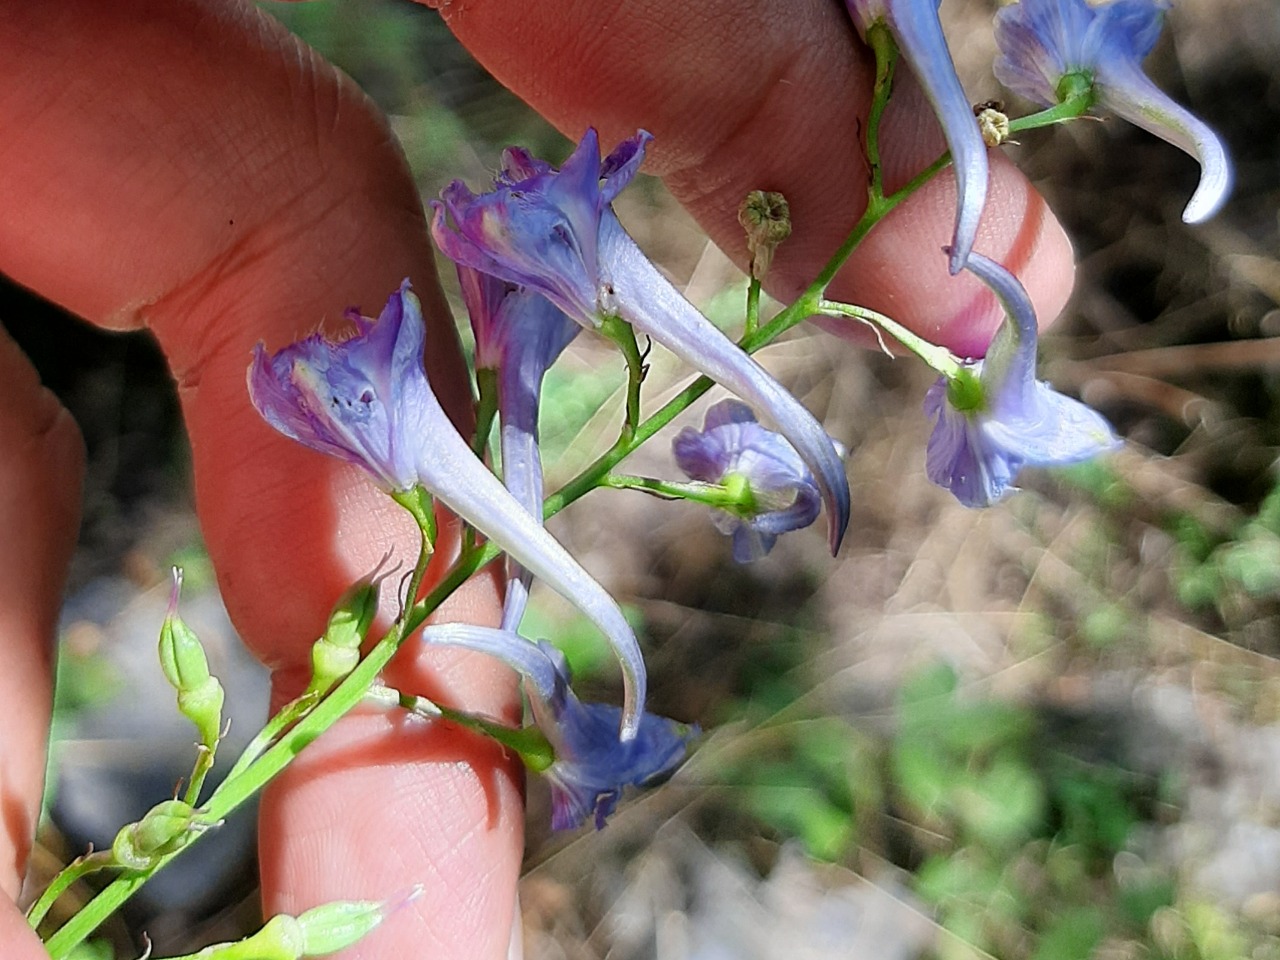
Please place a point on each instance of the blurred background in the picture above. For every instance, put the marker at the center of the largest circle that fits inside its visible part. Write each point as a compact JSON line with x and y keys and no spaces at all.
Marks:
{"x":1048,"y":730}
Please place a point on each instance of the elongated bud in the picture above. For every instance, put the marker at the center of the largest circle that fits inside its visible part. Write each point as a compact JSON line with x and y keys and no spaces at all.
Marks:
{"x":185,"y":666}
{"x":766,"y":217}
{"x":334,"y":926}
{"x":319,"y":932}
{"x":164,"y":828}
{"x":336,"y":653}
{"x":181,"y":657}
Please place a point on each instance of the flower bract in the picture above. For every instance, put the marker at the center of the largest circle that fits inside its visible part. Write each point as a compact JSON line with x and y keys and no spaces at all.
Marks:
{"x":776,"y":492}
{"x":1052,"y":48}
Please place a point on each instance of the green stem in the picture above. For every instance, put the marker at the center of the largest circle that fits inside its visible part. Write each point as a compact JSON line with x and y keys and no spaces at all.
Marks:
{"x":232,"y":793}
{"x":204,"y":763}
{"x":712,"y":494}
{"x":753,"y":307}
{"x":939,"y":358}
{"x":285,"y":717}
{"x":1070,"y":109}
{"x":78,"y":868}
{"x":486,"y":410}
{"x":886,"y":53}
{"x":532,"y":746}
{"x":621,"y":333}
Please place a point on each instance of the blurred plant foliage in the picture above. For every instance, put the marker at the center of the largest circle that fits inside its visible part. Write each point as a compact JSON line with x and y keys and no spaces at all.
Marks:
{"x":1022,"y":848}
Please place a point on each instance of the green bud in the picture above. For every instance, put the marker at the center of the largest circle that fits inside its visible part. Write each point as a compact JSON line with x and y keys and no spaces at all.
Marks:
{"x":354,"y":612}
{"x":139,"y":845}
{"x":181,"y":656}
{"x":337,"y":653}
{"x":185,"y":666}
{"x":334,"y":926}
{"x":203,"y":707}
{"x":279,"y":939}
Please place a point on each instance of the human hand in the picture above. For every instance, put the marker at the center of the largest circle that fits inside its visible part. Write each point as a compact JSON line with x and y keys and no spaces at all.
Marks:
{"x":190,"y":168}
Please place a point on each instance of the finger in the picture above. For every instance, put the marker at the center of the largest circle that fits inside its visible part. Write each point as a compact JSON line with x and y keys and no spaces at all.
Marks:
{"x":20,"y":941}
{"x":755,"y":94}
{"x":40,"y":475}
{"x":201,"y":173}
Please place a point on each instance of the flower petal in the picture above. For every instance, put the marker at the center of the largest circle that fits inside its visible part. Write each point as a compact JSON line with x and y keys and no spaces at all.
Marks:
{"x":1126,"y":91}
{"x":653,"y":306}
{"x":919,"y":34}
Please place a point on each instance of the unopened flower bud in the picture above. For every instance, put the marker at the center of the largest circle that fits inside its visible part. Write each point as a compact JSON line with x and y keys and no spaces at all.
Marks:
{"x":766,"y":217}
{"x":334,"y":926}
{"x":185,"y":666}
{"x":336,"y":653}
{"x":181,"y":656}
{"x":139,"y":845}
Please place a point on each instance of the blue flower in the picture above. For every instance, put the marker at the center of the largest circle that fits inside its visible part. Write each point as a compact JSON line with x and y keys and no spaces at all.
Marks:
{"x":1050,"y":49}
{"x":519,"y":334}
{"x":777,"y":492}
{"x":915,"y":26}
{"x":555,"y":232}
{"x":367,"y":400}
{"x":592,"y":765}
{"x":995,"y":417}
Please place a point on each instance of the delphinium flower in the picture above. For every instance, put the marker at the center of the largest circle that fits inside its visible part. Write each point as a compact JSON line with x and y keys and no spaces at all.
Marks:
{"x":553,"y":231}
{"x":519,"y":334}
{"x":915,"y":26}
{"x":1052,"y":50}
{"x":592,"y":765}
{"x":994,"y":417}
{"x":773,"y":491}
{"x":367,"y":400}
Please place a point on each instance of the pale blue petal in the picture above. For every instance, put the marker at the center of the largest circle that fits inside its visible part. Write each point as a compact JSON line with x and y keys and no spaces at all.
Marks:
{"x":648,"y":301}
{"x":1126,"y":91}
{"x":919,"y":34}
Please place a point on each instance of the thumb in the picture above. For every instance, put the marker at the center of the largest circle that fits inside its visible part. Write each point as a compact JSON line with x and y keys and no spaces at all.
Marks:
{"x":753,"y":94}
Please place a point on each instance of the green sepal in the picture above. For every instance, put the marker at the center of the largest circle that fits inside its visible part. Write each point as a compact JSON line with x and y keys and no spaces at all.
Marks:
{"x":1076,"y":86}
{"x":965,"y":391}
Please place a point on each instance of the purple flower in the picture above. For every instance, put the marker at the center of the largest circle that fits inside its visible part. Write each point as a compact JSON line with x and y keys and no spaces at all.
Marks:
{"x":1052,"y":48}
{"x":592,"y":765}
{"x":367,"y":400}
{"x":776,"y":492}
{"x":915,"y":27}
{"x":520,"y":334}
{"x":996,"y":418}
{"x":554,"y":232}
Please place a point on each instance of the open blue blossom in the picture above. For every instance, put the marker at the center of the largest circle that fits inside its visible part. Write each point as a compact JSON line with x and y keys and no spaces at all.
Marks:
{"x":996,"y":418}
{"x":917,"y":30}
{"x":1050,"y":49}
{"x":555,"y":232}
{"x":592,"y":765}
{"x":776,"y":492}
{"x":519,"y":334}
{"x":367,"y":400}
